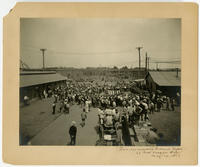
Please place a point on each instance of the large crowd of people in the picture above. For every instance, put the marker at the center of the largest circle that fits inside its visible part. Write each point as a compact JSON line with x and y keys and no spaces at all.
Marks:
{"x":114,"y":102}
{"x":134,"y":105}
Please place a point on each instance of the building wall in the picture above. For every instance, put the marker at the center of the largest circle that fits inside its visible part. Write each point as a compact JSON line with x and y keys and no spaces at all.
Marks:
{"x":170,"y":91}
{"x":151,"y":85}
{"x":36,"y":91}
{"x":166,"y":90}
{"x":31,"y":91}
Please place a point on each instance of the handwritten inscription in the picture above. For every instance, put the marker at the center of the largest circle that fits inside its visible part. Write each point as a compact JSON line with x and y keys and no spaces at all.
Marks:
{"x":155,"y":152}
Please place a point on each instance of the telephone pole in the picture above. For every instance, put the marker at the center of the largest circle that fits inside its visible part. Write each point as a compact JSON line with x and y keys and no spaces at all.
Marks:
{"x":157,"y":66}
{"x":146,"y":59}
{"x":43,"y":50}
{"x":148,"y":63}
{"x":139,"y":48}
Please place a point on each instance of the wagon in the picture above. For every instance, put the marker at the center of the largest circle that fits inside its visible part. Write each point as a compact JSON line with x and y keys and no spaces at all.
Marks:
{"x":111,"y":135}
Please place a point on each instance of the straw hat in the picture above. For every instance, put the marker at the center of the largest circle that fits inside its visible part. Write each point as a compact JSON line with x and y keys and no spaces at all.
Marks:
{"x":137,"y":103}
{"x":73,"y":123}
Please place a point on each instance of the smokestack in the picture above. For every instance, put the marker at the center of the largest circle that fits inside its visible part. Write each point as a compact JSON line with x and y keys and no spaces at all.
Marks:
{"x":176,"y":72}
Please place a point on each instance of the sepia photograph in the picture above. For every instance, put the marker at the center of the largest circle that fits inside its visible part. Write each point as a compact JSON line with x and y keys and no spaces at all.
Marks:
{"x":100,"y":82}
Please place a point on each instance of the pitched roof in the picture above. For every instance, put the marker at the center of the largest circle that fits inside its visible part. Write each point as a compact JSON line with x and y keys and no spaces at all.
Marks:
{"x":166,"y":78}
{"x":39,"y":78}
{"x":32,"y":72}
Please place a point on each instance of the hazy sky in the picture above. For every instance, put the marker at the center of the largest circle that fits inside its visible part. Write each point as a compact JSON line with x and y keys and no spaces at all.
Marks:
{"x":99,"y":42}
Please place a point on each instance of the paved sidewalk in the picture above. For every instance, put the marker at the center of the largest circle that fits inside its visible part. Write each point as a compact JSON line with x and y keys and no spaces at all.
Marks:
{"x":57,"y":132}
{"x":35,"y":117}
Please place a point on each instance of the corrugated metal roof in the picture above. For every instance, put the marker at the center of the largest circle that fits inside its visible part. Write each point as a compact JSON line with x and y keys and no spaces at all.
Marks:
{"x":36,"y":72}
{"x":166,"y":78}
{"x":37,"y":79}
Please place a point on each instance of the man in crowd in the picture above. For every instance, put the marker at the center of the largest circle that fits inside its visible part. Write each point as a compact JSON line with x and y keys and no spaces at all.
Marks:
{"x":66,"y":106}
{"x":83,"y":117}
{"x":101,"y":116}
{"x":152,"y":136}
{"x":26,"y":100}
{"x":54,"y":108}
{"x":72,"y":133}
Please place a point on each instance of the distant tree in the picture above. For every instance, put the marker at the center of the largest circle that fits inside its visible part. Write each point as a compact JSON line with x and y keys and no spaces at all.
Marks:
{"x":124,"y":68}
{"x":115,"y":67}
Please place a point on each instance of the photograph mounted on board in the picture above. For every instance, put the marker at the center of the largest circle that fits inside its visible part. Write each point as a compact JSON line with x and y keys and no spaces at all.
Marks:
{"x":100,"y":82}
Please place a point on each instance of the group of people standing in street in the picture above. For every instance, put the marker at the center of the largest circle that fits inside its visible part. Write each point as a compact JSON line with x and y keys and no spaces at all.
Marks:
{"x":134,"y":107}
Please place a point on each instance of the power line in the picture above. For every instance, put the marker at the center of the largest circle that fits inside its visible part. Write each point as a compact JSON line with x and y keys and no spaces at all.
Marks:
{"x":167,"y":62}
{"x":90,"y":53}
{"x":84,"y":53}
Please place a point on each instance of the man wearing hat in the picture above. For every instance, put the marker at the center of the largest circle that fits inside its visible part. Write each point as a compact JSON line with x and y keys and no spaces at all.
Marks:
{"x":72,"y":133}
{"x":66,"y":106}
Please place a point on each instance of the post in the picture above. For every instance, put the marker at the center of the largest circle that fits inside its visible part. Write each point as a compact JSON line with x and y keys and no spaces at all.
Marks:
{"x":146,"y":62}
{"x":176,"y":72}
{"x":139,"y":48}
{"x":148,"y":58}
{"x":43,"y":50}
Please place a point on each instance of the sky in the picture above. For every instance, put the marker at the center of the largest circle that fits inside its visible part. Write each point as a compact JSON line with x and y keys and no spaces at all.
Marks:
{"x":100,"y":42}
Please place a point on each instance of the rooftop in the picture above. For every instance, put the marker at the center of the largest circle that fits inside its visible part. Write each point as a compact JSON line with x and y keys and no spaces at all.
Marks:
{"x":33,"y":72}
{"x":37,"y":78}
{"x":166,"y":78}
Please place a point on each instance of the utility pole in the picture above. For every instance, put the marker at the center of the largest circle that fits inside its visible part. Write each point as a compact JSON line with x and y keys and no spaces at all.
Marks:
{"x":157,"y":66}
{"x":139,"y":48}
{"x":43,"y":50}
{"x":148,"y":58}
{"x":176,"y":72}
{"x":146,"y":61}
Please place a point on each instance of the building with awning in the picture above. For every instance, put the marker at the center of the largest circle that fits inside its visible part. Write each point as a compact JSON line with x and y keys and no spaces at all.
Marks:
{"x":33,"y":83}
{"x":166,"y":82}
